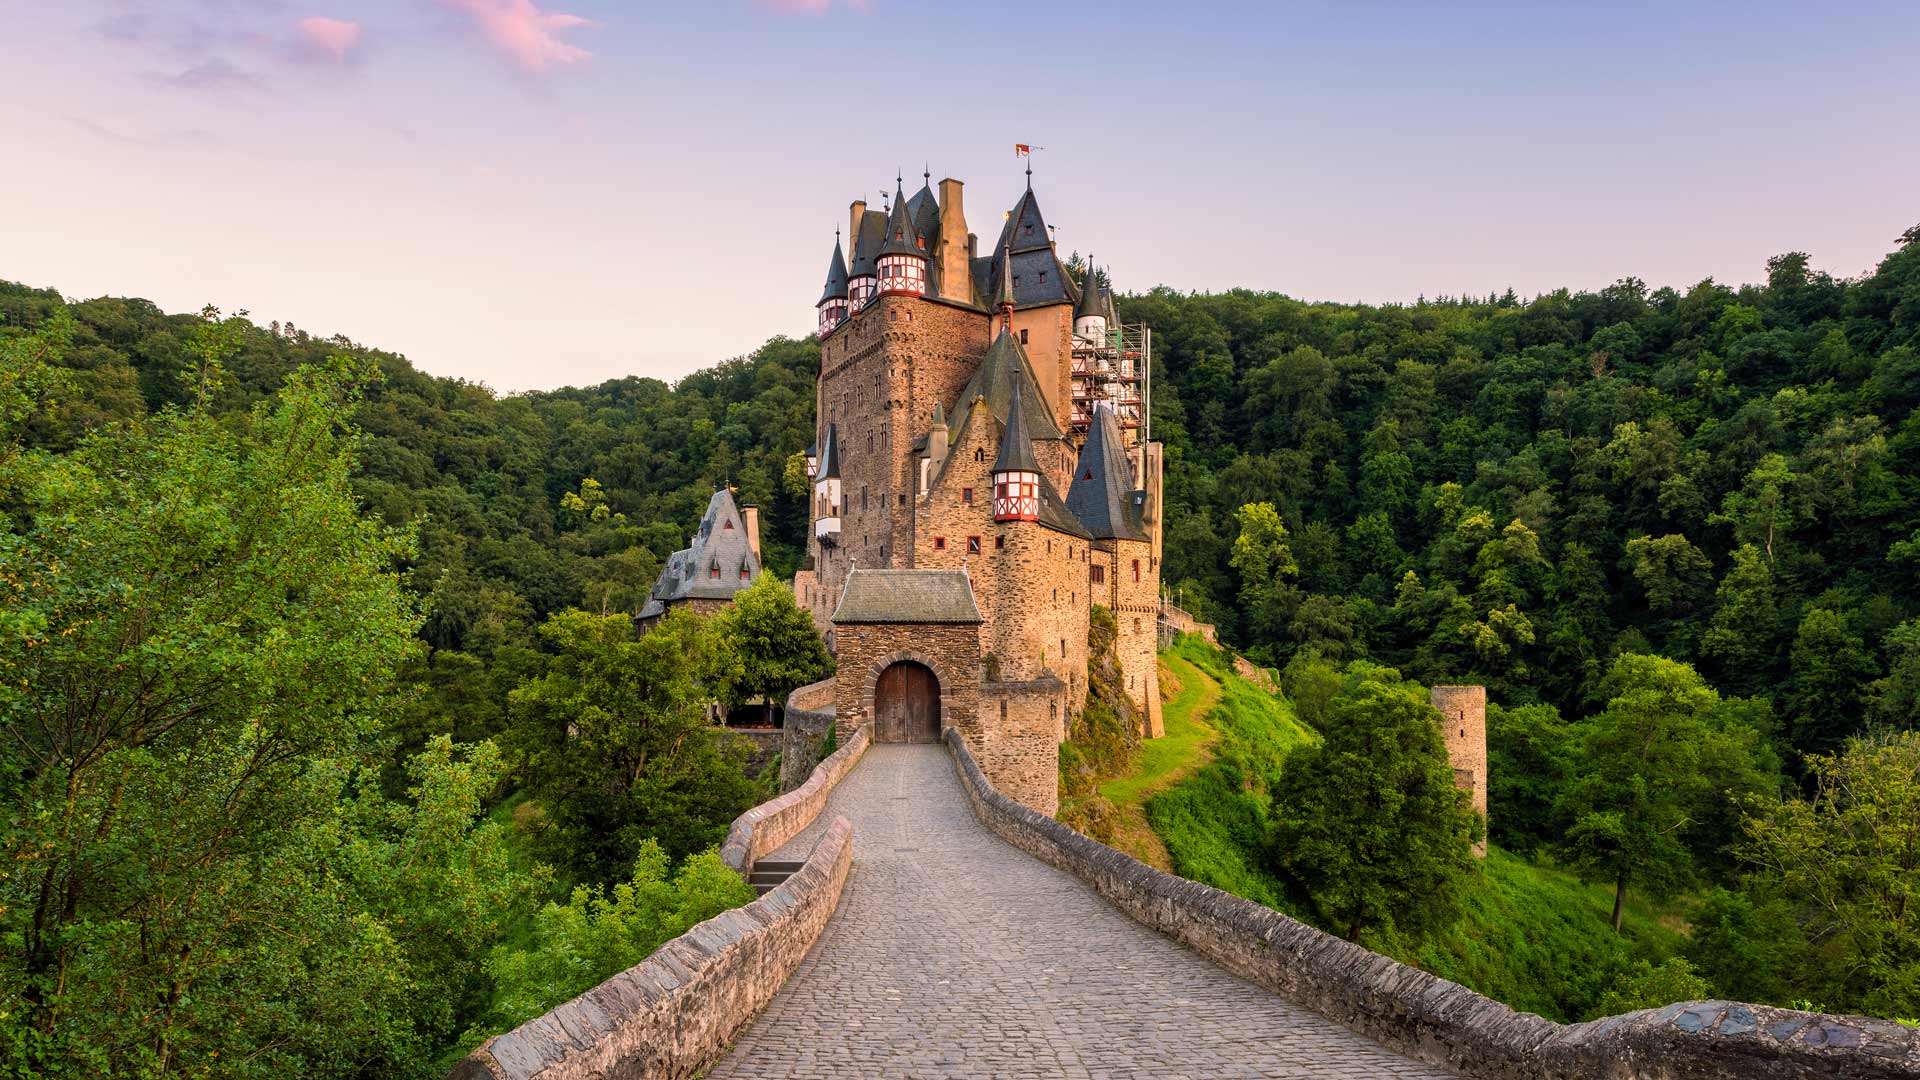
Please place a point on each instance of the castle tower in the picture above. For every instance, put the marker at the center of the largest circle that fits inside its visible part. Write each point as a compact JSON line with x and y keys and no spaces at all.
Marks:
{"x":1123,"y":576}
{"x":1463,"y":710}
{"x":1016,"y":476}
{"x":902,"y":264}
{"x":833,"y":299}
{"x":1090,"y":315}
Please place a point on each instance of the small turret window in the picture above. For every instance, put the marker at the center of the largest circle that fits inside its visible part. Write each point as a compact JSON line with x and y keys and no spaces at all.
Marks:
{"x":973,"y":545}
{"x":939,"y":543}
{"x":1023,"y":337}
{"x":966,"y":495}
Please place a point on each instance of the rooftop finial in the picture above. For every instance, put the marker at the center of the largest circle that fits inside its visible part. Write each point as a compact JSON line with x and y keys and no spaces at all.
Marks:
{"x":926,"y":172}
{"x":1029,"y":172}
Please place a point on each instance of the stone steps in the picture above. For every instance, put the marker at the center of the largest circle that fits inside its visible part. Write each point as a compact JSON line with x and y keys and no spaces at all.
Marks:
{"x":769,"y":873}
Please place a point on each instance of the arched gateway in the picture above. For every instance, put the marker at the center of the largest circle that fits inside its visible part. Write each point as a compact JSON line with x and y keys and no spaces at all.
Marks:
{"x":906,"y":704}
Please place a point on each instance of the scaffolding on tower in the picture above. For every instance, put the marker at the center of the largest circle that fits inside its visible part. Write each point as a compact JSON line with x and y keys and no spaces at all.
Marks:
{"x":1118,"y":370}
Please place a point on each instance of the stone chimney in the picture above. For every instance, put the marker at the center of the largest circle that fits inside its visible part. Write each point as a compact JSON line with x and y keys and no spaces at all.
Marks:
{"x":1463,"y":712}
{"x":855,"y":214}
{"x":956,"y":246}
{"x":751,"y":518}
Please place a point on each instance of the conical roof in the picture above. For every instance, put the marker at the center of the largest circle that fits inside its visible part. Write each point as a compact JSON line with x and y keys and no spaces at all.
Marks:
{"x":830,"y":455}
{"x":1101,"y":495}
{"x":1016,"y":446}
{"x":901,"y":237}
{"x":1003,"y":297}
{"x":1090,"y":305}
{"x":836,"y":276}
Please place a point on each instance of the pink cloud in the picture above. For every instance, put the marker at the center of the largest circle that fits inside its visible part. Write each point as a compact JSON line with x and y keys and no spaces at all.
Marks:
{"x":813,"y":7}
{"x":525,"y":32}
{"x":332,"y":37}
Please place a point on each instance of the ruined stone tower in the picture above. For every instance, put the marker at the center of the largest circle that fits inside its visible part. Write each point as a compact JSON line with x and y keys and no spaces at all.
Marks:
{"x":981,"y":414}
{"x":1464,"y":723}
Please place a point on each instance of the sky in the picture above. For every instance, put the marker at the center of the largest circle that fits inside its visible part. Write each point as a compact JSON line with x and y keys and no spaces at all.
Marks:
{"x":532,"y":194}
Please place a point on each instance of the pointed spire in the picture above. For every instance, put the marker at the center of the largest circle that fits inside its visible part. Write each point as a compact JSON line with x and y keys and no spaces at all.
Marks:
{"x":1101,"y":495}
{"x":902,"y":239}
{"x":836,"y":274}
{"x":1016,"y":446}
{"x":939,"y":415}
{"x":1089,"y":306}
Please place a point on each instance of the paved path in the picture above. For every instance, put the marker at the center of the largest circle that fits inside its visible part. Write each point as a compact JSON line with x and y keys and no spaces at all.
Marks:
{"x":955,"y":954}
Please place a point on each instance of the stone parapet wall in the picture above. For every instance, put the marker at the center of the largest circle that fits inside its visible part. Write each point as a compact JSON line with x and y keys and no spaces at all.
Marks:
{"x":1017,"y":739}
{"x":1441,"y":1022}
{"x":809,"y":714}
{"x":767,"y":827}
{"x":673,"y":1014}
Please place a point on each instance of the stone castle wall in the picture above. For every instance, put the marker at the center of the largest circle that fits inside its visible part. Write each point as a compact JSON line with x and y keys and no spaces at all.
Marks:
{"x":1136,"y":609}
{"x":1016,"y":739}
{"x":1440,"y":1022}
{"x":1465,"y":728}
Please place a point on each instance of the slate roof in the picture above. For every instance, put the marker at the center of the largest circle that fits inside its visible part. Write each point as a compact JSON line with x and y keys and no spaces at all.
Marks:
{"x":867,"y":244}
{"x":924,"y":209}
{"x":1101,"y":496}
{"x":830,"y":455}
{"x":1024,"y":253}
{"x":907,"y":596}
{"x":1016,"y":446}
{"x":1090,"y":305}
{"x":721,"y":540}
{"x":836,"y":276}
{"x":1005,"y":364}
{"x":901,"y":239}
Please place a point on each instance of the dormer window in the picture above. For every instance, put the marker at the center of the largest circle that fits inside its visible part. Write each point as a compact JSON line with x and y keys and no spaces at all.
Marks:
{"x":727,"y":525}
{"x":713,"y":571}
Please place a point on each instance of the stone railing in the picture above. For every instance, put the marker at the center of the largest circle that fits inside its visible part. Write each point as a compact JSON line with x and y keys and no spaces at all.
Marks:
{"x":766,"y":827}
{"x":809,"y":714}
{"x":673,"y":1014}
{"x":1440,"y":1022}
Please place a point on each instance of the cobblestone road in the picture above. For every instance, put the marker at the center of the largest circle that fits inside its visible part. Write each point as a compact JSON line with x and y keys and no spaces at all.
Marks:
{"x":954,"y":954}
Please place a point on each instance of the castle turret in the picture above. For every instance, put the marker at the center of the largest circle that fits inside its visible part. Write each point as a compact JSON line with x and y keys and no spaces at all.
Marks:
{"x":826,"y":491}
{"x":903,"y":257}
{"x":1090,"y":315}
{"x":1016,"y":475}
{"x":869,"y":235}
{"x":833,"y":299}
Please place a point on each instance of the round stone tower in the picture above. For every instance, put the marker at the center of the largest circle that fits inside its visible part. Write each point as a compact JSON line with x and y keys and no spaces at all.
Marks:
{"x":1463,"y":711}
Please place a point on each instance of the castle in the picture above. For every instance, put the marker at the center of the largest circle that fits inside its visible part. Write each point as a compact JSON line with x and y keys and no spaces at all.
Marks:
{"x":983,"y":477}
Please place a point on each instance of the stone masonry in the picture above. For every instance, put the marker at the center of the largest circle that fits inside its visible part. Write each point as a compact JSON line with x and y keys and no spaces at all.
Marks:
{"x":1464,"y":709}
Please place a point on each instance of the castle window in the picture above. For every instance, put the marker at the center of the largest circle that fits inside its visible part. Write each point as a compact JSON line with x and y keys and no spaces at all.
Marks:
{"x":714,"y":571}
{"x":939,"y":543}
{"x":979,"y":455}
{"x":863,"y":497}
{"x":728,"y":525}
{"x":1099,"y":575}
{"x":973,"y":545}
{"x":743,"y":571}
{"x":1023,"y":337}
{"x":999,"y":543}
{"x":1136,"y":569}
{"x":966,"y":495}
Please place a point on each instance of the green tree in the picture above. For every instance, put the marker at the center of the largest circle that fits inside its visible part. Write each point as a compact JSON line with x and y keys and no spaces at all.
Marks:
{"x":1767,"y":507}
{"x":1638,"y":781}
{"x":1368,"y":826}
{"x":1848,"y":859}
{"x":1529,"y":763}
{"x":1832,"y":672}
{"x":775,"y":642}
{"x":1744,"y":636}
{"x":616,"y":743}
{"x":200,"y":639}
{"x":1672,"y":572}
{"x":1266,"y":566}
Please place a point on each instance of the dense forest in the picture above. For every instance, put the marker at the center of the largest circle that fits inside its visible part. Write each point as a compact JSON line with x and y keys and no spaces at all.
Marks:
{"x":291,"y":628}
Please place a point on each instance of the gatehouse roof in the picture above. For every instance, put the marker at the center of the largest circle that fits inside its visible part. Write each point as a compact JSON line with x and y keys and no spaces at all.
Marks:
{"x":907,"y":596}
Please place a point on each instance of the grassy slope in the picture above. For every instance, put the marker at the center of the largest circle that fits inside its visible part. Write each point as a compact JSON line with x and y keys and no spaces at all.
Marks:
{"x":1531,"y":936}
{"x":1189,"y":697}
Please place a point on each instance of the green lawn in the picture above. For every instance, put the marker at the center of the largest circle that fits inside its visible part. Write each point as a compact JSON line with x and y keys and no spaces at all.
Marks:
{"x":1185,"y":745}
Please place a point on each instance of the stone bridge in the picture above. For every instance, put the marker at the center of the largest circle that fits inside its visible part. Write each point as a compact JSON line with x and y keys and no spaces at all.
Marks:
{"x":937,"y":929}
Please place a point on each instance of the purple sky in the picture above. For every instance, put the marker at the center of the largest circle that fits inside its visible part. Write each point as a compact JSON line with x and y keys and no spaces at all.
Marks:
{"x":535,"y":194}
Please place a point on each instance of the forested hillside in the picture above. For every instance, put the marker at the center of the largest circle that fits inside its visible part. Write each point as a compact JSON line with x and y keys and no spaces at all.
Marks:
{"x":1517,"y":491}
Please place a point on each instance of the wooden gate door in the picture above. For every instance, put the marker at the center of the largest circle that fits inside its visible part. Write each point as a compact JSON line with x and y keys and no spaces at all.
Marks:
{"x":906,"y":705}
